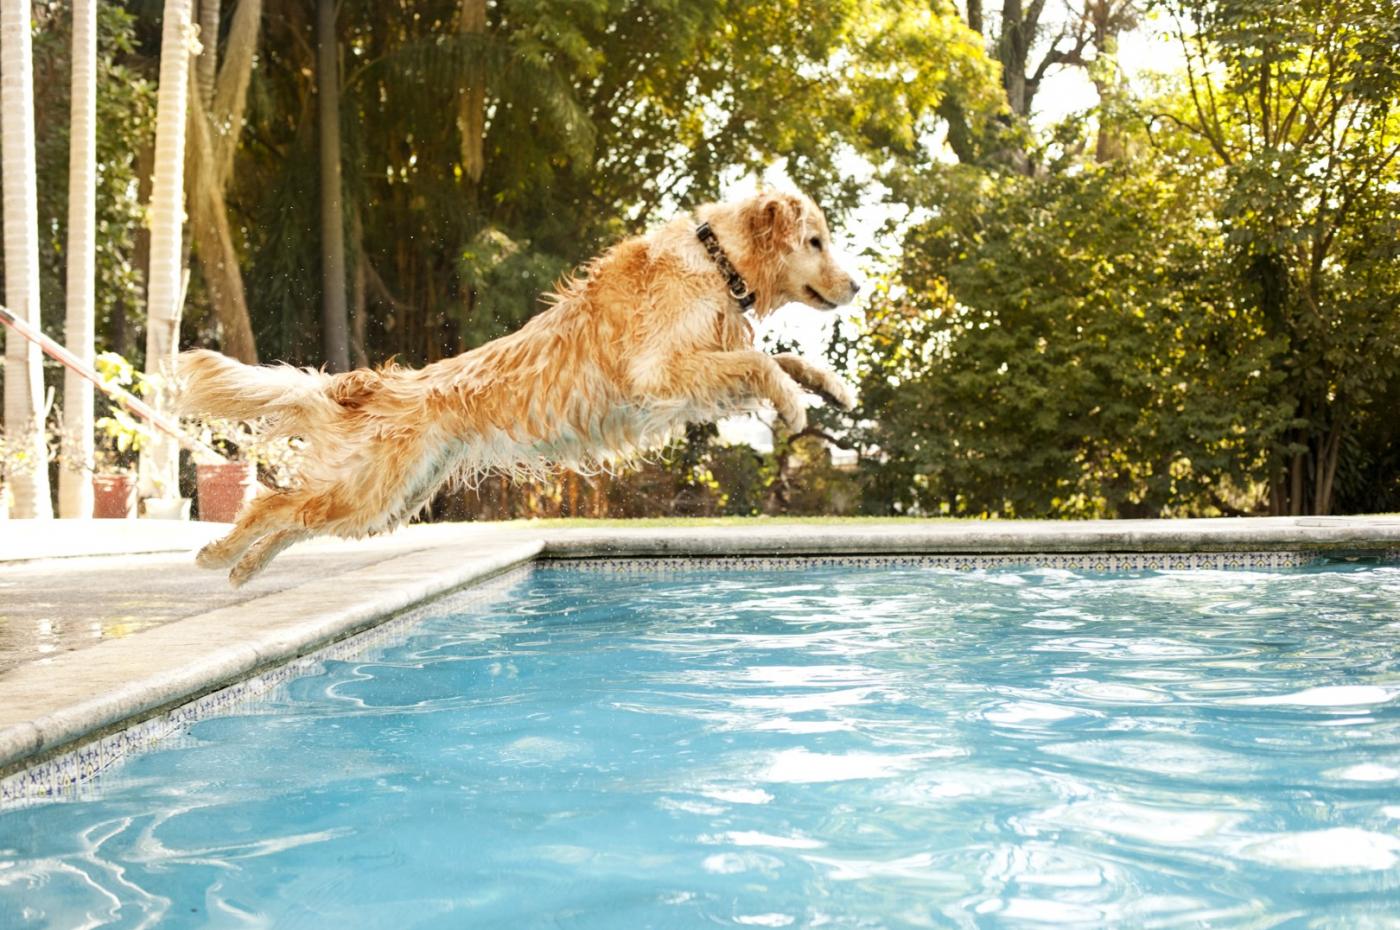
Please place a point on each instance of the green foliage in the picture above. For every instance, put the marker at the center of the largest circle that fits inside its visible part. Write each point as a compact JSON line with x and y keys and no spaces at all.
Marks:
{"x":120,"y":434}
{"x":1059,"y":346}
{"x":1297,"y":105}
{"x":602,"y":116}
{"x":1184,"y":303}
{"x":1206,"y":323}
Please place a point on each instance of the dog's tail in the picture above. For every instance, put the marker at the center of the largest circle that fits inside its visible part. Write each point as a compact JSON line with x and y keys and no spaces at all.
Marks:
{"x":286,"y":397}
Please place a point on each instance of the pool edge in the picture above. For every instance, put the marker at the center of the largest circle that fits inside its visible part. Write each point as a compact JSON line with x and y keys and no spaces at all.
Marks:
{"x":292,"y":628}
{"x":29,"y":740}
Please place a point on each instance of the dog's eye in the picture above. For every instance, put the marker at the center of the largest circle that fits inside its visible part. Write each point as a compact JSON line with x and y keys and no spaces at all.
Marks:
{"x":816,"y":242}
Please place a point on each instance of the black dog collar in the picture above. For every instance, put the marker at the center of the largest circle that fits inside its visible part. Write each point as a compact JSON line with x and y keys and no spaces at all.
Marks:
{"x":738,"y":287}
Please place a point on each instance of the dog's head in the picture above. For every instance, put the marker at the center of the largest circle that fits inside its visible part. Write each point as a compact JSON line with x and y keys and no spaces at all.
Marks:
{"x":791,"y":243}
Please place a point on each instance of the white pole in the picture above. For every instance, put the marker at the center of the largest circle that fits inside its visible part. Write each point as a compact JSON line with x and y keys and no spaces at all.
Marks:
{"x":24,"y":373}
{"x":160,"y":459}
{"x":76,"y":456}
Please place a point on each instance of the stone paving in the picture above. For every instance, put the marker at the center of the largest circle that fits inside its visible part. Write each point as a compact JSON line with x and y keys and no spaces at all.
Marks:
{"x":53,"y":606}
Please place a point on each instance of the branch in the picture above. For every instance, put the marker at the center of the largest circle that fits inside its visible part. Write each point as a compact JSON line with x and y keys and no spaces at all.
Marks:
{"x":377,"y":284}
{"x":231,"y":89}
{"x":819,"y":433}
{"x":1217,"y":143}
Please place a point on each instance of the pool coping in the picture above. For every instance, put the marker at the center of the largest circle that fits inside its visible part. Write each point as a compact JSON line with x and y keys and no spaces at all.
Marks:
{"x":50,"y":710}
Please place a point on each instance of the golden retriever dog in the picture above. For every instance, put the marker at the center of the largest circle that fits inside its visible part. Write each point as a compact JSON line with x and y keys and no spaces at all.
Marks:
{"x":651,"y":337}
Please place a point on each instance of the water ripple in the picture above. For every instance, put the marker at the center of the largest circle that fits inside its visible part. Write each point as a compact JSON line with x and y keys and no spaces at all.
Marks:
{"x":882,"y":748}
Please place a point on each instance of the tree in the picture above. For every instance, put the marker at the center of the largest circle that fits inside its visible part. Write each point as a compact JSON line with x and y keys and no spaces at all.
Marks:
{"x":1016,"y":37}
{"x":596,"y":119}
{"x":1063,"y":346}
{"x":1296,"y":104}
{"x":334,"y":320}
{"x":165,"y":284}
{"x":75,"y":478}
{"x":24,"y":382}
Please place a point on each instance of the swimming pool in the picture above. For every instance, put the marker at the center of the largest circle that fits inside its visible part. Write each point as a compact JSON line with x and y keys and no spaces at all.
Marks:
{"x":816,"y":746}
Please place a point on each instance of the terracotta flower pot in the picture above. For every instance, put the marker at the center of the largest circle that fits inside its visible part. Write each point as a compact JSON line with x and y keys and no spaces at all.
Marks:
{"x":223,"y":489}
{"x":113,"y":496}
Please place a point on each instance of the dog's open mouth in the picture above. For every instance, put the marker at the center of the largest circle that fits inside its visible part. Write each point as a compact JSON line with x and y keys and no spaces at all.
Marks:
{"x":813,"y":293}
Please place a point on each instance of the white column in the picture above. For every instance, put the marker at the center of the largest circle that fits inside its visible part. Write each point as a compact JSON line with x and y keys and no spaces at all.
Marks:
{"x":75,"y":473}
{"x":24,"y":379}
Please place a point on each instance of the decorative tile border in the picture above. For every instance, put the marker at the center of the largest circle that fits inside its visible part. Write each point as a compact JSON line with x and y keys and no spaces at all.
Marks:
{"x":1069,"y":561}
{"x":70,"y":775}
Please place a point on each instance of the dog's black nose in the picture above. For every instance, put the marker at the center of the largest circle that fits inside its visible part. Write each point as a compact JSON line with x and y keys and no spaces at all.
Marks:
{"x":855,"y":287}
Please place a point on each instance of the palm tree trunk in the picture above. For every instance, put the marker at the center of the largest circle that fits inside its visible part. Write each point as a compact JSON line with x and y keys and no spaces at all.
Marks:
{"x":161,"y":455}
{"x":75,"y":478}
{"x":24,"y":379}
{"x":334,"y":331}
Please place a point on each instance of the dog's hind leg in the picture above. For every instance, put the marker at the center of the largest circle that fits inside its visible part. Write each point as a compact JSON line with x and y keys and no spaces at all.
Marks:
{"x":263,"y":515}
{"x":262,"y":552}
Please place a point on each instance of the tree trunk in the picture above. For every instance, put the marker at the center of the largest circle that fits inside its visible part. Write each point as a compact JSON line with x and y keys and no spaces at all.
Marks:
{"x":213,"y":241}
{"x":335,"y":337}
{"x":216,"y":121}
{"x":124,"y":336}
{"x":24,"y":377}
{"x":160,"y":456}
{"x":231,"y":87}
{"x":1327,"y":471}
{"x":75,"y":477}
{"x":359,"y":295}
{"x":207,"y":66}
{"x":1013,"y":49}
{"x":471,"y":111}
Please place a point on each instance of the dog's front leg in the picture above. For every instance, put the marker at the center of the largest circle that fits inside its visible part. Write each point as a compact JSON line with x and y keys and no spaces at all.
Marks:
{"x":816,"y":379}
{"x":709,"y":376}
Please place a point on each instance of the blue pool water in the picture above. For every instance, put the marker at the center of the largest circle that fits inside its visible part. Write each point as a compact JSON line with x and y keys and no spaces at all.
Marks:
{"x":833,"y":747}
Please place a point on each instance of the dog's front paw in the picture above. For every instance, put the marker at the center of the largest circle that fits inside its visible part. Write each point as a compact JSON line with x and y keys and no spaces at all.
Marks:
{"x":835,"y":391}
{"x":791,"y":409}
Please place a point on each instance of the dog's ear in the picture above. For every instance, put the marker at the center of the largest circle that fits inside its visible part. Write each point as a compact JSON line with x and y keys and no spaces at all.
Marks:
{"x":773,"y":219}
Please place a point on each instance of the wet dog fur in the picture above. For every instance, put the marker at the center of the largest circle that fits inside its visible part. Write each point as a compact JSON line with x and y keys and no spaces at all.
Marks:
{"x":647,"y":340}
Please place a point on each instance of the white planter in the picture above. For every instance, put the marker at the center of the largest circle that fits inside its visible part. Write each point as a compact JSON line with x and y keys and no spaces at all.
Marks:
{"x":166,"y":508}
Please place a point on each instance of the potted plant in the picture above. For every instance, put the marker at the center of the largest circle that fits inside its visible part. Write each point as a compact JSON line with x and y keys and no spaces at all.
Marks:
{"x":224,"y":487}
{"x":120,"y":438}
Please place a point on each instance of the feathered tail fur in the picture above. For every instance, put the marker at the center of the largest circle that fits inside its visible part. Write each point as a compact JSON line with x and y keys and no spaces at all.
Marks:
{"x":286,"y":398}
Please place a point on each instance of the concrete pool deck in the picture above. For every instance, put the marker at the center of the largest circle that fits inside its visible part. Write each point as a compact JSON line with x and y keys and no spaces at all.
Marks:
{"x":147,"y":631}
